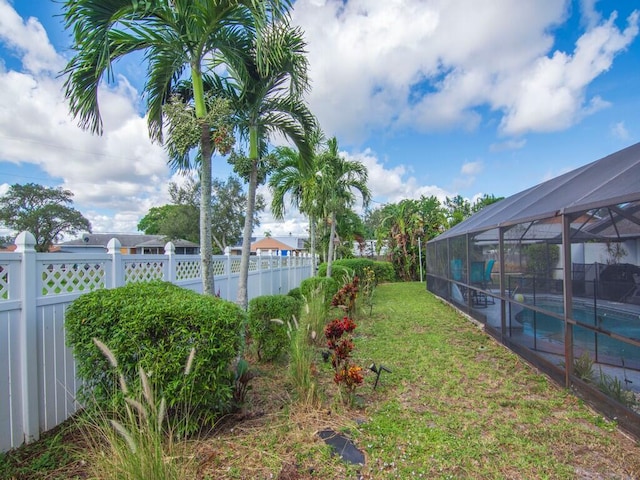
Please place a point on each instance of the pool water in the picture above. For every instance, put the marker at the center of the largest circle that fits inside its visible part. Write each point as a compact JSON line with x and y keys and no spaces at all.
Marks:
{"x":607,"y":349}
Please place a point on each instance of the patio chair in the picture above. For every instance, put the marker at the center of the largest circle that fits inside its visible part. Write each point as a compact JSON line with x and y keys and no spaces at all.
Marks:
{"x":476,"y":277}
{"x":487,"y":278}
{"x":487,"y":272}
{"x":456,"y":269}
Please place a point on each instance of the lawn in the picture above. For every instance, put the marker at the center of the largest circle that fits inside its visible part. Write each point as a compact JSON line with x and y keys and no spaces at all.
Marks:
{"x":456,"y":405}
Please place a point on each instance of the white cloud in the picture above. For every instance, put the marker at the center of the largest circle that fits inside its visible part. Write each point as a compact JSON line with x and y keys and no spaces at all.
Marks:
{"x":120,"y":171}
{"x":472,"y":168}
{"x":512,"y":144}
{"x":619,"y":130}
{"x":551,"y":95}
{"x":379,"y":66}
{"x":28,"y":39}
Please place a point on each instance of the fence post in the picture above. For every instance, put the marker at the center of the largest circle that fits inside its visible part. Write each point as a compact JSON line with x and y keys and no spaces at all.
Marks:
{"x":113,"y":248}
{"x":25,"y":245}
{"x":227,"y":252}
{"x":258,"y":271}
{"x":171,"y":265}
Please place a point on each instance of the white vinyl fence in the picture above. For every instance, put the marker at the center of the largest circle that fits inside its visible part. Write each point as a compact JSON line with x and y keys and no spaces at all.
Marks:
{"x":37,"y":371}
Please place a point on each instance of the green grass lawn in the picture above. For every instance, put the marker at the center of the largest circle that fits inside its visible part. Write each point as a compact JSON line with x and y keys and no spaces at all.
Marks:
{"x":456,"y":405}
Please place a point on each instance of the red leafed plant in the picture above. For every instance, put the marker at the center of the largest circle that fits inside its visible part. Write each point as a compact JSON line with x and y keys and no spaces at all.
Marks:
{"x":347,"y":375}
{"x":346,"y":297}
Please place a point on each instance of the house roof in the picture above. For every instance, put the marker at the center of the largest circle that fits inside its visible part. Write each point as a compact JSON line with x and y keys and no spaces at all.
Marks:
{"x":126,"y":240}
{"x":270,"y":243}
{"x":612,"y":180}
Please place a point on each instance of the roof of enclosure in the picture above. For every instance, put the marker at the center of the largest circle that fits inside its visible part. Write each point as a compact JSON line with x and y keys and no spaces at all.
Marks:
{"x":612,"y":180}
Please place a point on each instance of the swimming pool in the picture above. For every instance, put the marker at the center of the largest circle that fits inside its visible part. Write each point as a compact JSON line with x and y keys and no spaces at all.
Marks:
{"x":604,"y":348}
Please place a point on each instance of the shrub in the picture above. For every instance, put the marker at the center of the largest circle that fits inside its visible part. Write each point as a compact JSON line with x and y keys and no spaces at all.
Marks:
{"x":384,"y":271}
{"x":155,"y":326}
{"x":346,"y":374}
{"x":346,"y":297}
{"x":270,"y":337}
{"x":296,"y":293}
{"x":314,"y":285}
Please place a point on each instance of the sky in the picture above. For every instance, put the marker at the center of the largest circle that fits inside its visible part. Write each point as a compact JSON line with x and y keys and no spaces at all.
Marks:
{"x":435,"y":97}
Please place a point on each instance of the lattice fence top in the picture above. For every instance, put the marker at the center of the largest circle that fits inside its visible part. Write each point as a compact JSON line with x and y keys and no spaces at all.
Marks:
{"x":60,"y":278}
{"x":235,"y":265}
{"x":218,"y":267}
{"x":4,"y":282}
{"x":143,"y":271}
{"x":188,"y":269}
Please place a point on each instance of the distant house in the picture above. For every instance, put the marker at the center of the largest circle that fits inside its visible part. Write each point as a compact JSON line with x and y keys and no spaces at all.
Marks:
{"x":130,"y":244}
{"x":285,"y":246}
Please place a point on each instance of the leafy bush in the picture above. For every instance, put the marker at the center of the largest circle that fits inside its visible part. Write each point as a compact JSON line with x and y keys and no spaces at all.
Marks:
{"x":384,"y":271}
{"x":313,"y":285}
{"x":542,"y":258}
{"x":295,"y":293}
{"x":270,"y":337}
{"x":155,"y":326}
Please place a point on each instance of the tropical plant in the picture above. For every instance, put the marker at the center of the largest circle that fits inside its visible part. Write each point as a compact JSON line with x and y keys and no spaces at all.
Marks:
{"x":45,"y":212}
{"x":265,"y":88}
{"x":339,"y":340}
{"x":404,"y":226}
{"x":345,"y":298}
{"x":176,"y":37}
{"x":338,"y":178}
{"x":298,"y":179}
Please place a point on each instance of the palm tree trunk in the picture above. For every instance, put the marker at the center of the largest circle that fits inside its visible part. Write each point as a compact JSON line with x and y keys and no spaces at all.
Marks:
{"x":243,"y":294}
{"x":206,"y":149}
{"x":332,"y":235}
{"x":312,"y":234}
{"x":206,"y":246}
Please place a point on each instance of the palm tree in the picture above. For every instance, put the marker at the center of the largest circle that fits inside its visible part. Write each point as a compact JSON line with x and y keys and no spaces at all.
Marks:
{"x":176,"y":37}
{"x":298,"y":180}
{"x":338,"y":178}
{"x":265,"y":88}
{"x":403,"y":225}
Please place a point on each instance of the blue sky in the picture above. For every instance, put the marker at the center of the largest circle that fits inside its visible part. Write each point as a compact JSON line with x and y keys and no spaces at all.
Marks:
{"x":436,"y":97}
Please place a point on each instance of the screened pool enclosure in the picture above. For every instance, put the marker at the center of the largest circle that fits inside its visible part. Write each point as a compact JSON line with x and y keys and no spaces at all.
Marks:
{"x":554,"y":273}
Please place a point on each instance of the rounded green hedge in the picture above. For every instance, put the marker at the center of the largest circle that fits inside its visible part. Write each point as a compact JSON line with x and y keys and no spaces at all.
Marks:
{"x":383,"y":270}
{"x":327,"y":285}
{"x":154,"y":326}
{"x":270,"y":337}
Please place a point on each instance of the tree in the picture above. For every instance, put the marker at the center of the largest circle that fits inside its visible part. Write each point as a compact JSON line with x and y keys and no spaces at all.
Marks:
{"x":403,"y":226}
{"x":180,"y":219}
{"x":176,"y":36}
{"x":172,"y":221}
{"x":298,"y":180}
{"x":458,"y":209}
{"x":265,"y":88}
{"x":484,"y":201}
{"x":43,"y":211}
{"x":338,"y":177}
{"x":229,"y":211}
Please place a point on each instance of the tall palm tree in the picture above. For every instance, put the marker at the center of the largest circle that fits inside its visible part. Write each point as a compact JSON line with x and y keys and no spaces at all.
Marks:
{"x":265,"y":88}
{"x":339,"y":178}
{"x":298,"y":180}
{"x":176,"y":36}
